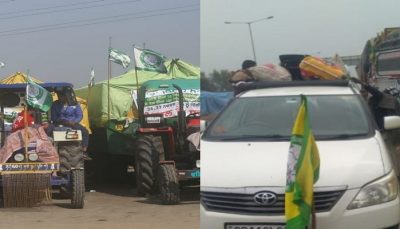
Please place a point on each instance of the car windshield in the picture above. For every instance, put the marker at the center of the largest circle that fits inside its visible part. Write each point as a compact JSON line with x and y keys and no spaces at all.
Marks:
{"x":272,"y":118}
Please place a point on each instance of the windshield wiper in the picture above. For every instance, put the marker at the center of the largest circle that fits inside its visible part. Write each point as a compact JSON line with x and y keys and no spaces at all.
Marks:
{"x":247,"y":137}
{"x":340,"y":136}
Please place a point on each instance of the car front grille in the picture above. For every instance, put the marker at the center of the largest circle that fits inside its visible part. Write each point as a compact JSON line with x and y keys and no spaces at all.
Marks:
{"x":244,"y":203}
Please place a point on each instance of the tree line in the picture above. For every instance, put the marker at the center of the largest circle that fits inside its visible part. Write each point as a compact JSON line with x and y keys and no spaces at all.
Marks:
{"x":216,"y":81}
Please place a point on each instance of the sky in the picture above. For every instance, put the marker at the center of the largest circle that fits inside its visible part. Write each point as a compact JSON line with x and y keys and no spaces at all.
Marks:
{"x":314,"y":27}
{"x":60,"y":40}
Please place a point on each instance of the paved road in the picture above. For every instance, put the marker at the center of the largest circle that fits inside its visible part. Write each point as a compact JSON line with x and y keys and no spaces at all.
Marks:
{"x":109,"y":207}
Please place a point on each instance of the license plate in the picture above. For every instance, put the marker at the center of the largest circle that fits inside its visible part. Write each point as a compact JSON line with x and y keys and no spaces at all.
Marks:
{"x":254,"y":226}
{"x":24,"y":167}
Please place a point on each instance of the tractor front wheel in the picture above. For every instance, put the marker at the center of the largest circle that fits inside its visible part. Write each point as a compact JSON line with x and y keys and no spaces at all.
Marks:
{"x":168,"y":183}
{"x":71,"y":157}
{"x":77,"y":188}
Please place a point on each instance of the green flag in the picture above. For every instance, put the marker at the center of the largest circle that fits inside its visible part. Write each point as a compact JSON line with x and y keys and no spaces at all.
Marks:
{"x":149,"y":60}
{"x":37,"y":96}
{"x":119,"y":57}
{"x":302,"y":171}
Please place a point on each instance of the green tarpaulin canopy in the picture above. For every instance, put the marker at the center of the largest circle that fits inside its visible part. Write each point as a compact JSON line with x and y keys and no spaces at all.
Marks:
{"x":121,"y":88}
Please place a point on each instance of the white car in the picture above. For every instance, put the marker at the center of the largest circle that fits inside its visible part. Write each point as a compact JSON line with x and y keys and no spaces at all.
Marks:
{"x":244,"y":154}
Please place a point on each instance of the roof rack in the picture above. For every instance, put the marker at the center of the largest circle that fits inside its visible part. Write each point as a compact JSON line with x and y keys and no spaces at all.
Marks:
{"x":271,"y":84}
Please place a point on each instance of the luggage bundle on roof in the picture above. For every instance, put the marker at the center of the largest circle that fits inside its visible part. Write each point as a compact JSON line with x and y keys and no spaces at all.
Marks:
{"x":267,"y":72}
{"x":305,"y":67}
{"x":292,"y":67}
{"x":314,"y":67}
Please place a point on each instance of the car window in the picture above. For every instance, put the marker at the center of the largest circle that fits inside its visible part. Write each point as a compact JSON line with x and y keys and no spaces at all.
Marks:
{"x":331,"y":117}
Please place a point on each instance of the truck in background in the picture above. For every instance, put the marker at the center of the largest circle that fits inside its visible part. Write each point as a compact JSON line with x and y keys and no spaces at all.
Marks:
{"x":380,"y":60}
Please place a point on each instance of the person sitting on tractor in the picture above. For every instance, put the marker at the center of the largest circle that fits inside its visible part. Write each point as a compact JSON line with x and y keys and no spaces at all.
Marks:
{"x":68,"y":114}
{"x":19,"y":121}
{"x":37,"y":136}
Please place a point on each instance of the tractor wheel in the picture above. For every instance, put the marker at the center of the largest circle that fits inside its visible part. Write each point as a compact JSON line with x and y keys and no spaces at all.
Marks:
{"x":77,"y":188}
{"x":146,"y":161}
{"x":169,"y":184}
{"x":71,"y":156}
{"x":64,"y":169}
{"x":158,"y":148}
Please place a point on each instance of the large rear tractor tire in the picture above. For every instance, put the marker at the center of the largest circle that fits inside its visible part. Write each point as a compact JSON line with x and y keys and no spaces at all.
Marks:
{"x":77,"y":188}
{"x":168,"y":184}
{"x":146,"y":161}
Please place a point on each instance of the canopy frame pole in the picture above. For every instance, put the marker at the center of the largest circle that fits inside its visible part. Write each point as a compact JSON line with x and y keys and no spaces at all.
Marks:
{"x":108,"y":81}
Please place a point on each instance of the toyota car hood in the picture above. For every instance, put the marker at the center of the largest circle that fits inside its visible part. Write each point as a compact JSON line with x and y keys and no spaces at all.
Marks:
{"x":350,"y":163}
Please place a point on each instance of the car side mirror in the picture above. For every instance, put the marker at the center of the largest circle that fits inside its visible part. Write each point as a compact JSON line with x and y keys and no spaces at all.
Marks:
{"x":391,"y":122}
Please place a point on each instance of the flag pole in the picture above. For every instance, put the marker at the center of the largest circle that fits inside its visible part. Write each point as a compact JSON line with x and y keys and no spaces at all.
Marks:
{"x":313,"y":216}
{"x":137,"y":80}
{"x":26,"y":135}
{"x":88,"y":96}
{"x":89,"y":90}
{"x":108,"y":81}
{"x":136,"y":102}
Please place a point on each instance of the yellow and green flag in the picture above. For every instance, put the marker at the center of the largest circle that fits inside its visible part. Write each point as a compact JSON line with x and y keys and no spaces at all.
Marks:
{"x":302,"y":171}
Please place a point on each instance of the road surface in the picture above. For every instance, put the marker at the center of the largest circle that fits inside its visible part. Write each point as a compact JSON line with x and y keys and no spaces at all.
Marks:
{"x":109,"y":206}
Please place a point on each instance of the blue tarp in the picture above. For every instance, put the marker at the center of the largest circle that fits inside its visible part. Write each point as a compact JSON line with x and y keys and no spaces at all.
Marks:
{"x":213,"y":102}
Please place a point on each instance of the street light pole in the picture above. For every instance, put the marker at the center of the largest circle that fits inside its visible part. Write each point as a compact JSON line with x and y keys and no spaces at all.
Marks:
{"x":252,"y":42}
{"x":250,"y":31}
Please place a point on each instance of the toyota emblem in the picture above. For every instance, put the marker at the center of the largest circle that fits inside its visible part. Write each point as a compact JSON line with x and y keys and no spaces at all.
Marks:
{"x":265,"y":198}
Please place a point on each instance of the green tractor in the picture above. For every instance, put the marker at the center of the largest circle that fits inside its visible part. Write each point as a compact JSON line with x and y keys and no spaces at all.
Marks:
{"x":164,"y":157}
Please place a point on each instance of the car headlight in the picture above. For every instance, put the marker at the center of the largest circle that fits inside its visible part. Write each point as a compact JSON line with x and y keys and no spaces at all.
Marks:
{"x":380,"y":191}
{"x":19,"y":157}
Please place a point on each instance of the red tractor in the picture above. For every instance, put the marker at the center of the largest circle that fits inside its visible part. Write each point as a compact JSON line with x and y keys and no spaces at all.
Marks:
{"x":165,"y":158}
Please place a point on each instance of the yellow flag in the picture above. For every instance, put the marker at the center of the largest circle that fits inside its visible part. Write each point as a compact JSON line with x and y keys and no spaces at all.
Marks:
{"x":302,"y":171}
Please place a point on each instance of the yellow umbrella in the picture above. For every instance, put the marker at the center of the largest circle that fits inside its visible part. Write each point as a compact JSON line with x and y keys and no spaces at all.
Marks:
{"x":18,"y":77}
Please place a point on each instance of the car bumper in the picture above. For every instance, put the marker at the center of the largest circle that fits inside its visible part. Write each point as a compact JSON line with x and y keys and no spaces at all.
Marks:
{"x":384,"y":215}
